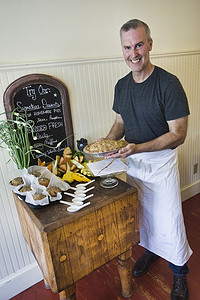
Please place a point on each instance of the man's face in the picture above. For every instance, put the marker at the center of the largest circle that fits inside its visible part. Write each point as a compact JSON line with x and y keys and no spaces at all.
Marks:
{"x":136,"y":47}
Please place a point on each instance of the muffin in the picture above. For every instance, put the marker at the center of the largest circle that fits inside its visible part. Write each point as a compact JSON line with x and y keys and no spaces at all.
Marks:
{"x":53,"y":190}
{"x":25,"y":188}
{"x":17,"y":181}
{"x":38,"y":196}
{"x":35,"y":173}
{"x":43,"y":181}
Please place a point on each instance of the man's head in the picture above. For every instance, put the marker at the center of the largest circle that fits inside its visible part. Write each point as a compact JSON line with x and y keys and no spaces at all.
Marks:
{"x":136,"y":44}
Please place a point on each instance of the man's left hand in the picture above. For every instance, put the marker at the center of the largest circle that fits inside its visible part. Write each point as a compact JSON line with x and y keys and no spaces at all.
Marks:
{"x":124,"y":152}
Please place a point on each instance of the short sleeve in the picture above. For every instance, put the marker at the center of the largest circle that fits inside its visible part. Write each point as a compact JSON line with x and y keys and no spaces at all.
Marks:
{"x":176,"y":103}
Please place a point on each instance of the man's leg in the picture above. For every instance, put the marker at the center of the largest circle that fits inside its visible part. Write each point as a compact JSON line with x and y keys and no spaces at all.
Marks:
{"x":179,"y":290}
{"x":142,"y":265}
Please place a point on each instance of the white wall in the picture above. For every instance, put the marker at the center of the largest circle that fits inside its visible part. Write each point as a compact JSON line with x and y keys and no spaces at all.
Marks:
{"x":46,"y":30}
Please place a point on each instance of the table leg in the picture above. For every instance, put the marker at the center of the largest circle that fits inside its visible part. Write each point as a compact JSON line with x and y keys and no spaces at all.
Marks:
{"x":69,"y":293}
{"x":125,"y":272}
{"x":46,"y":284}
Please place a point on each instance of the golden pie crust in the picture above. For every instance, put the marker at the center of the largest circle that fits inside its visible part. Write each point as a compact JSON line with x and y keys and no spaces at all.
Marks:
{"x":103,"y":146}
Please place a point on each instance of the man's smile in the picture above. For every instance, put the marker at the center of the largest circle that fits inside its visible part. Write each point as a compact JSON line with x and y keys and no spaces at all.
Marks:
{"x":134,"y":61}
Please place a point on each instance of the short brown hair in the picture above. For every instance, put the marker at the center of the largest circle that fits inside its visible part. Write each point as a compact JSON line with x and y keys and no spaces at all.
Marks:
{"x":134,"y":24}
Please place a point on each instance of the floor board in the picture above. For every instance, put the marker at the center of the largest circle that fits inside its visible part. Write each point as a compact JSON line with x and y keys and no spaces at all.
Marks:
{"x":104,"y":283}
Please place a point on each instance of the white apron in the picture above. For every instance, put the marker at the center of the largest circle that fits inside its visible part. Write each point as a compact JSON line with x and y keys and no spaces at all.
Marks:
{"x":162,"y":230}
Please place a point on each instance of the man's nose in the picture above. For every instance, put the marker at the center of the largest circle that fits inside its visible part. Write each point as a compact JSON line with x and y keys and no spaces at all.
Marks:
{"x":134,"y":52}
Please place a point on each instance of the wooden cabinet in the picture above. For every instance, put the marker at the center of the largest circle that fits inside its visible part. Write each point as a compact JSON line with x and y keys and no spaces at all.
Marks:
{"x":68,"y":246}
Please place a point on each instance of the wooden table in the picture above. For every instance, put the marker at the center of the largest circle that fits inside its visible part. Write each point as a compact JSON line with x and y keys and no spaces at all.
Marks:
{"x":69,"y":246}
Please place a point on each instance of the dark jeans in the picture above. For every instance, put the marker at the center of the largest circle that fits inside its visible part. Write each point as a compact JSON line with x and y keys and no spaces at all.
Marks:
{"x":180,"y":271}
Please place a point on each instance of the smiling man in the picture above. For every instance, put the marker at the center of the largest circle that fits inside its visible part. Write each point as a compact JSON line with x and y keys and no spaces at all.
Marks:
{"x":136,"y":45}
{"x":151,"y":113}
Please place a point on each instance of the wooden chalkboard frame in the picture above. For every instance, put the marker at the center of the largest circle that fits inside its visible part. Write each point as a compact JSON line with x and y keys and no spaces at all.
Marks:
{"x":31,"y":79}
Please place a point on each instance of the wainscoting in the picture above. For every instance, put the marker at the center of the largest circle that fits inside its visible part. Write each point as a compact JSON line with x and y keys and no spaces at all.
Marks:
{"x":91,"y":88}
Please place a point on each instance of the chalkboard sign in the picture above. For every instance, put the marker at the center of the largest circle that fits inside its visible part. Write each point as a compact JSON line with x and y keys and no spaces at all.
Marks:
{"x":46,"y":102}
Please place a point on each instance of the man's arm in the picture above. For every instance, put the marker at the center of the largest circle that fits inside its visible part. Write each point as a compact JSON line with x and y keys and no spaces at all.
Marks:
{"x":175,"y":137}
{"x":117,"y":130}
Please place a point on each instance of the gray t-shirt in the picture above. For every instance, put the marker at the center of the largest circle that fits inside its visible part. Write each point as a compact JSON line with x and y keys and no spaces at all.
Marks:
{"x":146,"y":107}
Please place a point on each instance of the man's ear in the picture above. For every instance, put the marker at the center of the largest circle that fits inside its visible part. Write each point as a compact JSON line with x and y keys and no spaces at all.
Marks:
{"x":150,"y":44}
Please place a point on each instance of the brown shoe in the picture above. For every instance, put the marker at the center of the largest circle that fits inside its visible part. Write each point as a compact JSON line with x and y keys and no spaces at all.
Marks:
{"x":142,"y":265}
{"x":179,"y":290}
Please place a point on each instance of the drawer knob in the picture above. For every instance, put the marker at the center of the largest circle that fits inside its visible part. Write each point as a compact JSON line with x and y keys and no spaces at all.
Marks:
{"x":63,"y":258}
{"x":100,"y":237}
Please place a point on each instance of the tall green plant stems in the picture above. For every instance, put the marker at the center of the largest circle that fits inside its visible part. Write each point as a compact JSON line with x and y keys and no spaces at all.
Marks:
{"x":14,"y":134}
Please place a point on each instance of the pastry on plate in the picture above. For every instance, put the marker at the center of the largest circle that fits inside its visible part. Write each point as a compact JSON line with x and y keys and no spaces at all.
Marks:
{"x":25,"y":188}
{"x":38,"y":196}
{"x":103,"y":145}
{"x":17,"y":181}
{"x":53,"y":190}
{"x":43,"y":181}
{"x":35,"y":173}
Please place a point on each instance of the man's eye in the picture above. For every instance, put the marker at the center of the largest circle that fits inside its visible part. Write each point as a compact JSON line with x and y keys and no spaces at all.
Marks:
{"x":127,"y":47}
{"x":139,"y":46}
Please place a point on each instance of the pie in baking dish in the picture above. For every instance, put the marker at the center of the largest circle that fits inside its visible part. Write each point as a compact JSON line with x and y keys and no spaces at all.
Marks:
{"x":102,"y":146}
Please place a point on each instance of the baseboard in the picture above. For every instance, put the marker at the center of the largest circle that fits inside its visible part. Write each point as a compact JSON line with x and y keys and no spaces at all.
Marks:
{"x":190,"y":191}
{"x":23,"y":279}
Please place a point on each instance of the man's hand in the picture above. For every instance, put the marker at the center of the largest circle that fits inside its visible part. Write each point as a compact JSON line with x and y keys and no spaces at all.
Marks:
{"x":124,"y":152}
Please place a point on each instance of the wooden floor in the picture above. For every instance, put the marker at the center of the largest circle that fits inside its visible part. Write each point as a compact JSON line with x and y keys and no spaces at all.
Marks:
{"x":104,"y":283}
